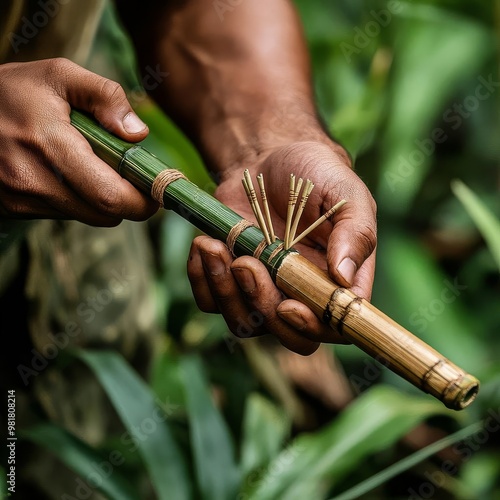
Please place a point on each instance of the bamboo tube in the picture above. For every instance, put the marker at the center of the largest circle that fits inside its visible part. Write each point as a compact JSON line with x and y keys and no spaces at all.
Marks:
{"x":375,"y":333}
{"x":354,"y":318}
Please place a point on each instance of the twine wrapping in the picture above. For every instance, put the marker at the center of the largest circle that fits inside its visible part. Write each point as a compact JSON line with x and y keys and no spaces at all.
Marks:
{"x":275,"y":252}
{"x":236,"y":230}
{"x":260,"y":248}
{"x":162,"y":181}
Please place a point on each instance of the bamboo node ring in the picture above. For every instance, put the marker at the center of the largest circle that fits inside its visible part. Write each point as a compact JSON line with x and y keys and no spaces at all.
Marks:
{"x":162,"y":181}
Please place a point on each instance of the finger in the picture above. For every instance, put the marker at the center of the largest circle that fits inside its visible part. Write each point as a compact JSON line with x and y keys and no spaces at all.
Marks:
{"x":353,"y":238}
{"x":196,"y":274}
{"x":22,"y":206}
{"x":262,"y":295}
{"x":216,"y":261}
{"x":363,"y":281}
{"x":103,"y":98}
{"x":106,"y":100}
{"x":302,"y":319}
{"x":68,"y":154}
{"x":36,"y":191}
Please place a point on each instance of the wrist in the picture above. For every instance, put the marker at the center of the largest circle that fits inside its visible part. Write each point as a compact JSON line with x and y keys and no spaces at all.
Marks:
{"x":242,"y":141}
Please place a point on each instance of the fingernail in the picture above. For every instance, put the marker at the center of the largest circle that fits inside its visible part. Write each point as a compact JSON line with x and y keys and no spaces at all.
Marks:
{"x":347,"y":269}
{"x":293,"y":319}
{"x":213,"y":263}
{"x":245,"y":279}
{"x":133,"y":124}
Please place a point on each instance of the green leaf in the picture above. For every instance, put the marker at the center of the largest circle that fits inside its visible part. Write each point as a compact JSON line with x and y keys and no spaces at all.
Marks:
{"x":413,"y":290}
{"x":486,"y":222}
{"x":213,"y":453}
{"x":434,"y":53}
{"x":265,"y":427}
{"x":316,"y":462}
{"x":408,"y":462}
{"x":146,"y":423}
{"x":481,"y":474}
{"x":97,"y":471}
{"x":165,"y":380}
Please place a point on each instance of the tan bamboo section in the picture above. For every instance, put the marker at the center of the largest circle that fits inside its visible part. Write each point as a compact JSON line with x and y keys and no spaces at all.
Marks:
{"x":375,"y":333}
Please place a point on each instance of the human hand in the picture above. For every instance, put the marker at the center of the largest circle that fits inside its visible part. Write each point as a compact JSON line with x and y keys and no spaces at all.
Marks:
{"x":242,"y":290}
{"x":48,"y":169}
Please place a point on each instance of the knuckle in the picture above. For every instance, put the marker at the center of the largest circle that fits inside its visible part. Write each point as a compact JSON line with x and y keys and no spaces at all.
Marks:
{"x":368,"y":237}
{"x":58,"y":63}
{"x":108,"y":201}
{"x":58,"y":67}
{"x":17,"y":181}
{"x":344,"y":156}
{"x":111,"y":91}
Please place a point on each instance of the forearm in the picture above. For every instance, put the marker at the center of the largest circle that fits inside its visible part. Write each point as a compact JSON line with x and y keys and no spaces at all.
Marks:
{"x":237,"y":87}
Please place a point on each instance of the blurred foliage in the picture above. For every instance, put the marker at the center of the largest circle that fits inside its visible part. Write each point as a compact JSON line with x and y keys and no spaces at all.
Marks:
{"x":397,"y":83}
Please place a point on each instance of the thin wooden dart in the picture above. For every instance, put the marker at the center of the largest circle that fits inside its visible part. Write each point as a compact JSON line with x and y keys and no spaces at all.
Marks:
{"x":265,"y":204}
{"x":256,"y":206}
{"x":319,"y":221}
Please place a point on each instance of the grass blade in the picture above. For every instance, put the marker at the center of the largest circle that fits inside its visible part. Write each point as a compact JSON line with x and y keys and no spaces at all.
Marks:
{"x":97,"y":472}
{"x":213,"y":453}
{"x":136,"y":405}
{"x":314,"y":463}
{"x":408,"y":462}
{"x":265,"y":427}
{"x":486,"y":222}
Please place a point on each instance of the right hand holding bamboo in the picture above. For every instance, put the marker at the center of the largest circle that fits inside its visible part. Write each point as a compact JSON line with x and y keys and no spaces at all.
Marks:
{"x":242,"y":290}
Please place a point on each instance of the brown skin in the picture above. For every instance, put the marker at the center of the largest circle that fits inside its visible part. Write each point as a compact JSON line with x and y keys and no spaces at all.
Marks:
{"x":48,"y":168}
{"x":241,"y":90}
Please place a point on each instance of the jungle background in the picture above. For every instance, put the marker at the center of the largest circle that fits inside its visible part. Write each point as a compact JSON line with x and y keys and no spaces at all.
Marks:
{"x":412,"y":90}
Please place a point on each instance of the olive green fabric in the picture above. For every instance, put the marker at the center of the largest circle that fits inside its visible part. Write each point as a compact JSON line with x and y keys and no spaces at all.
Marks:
{"x":64,"y":284}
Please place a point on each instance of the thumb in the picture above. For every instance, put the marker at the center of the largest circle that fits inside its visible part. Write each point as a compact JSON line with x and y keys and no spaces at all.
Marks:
{"x":352,"y":240}
{"x":105,"y":99}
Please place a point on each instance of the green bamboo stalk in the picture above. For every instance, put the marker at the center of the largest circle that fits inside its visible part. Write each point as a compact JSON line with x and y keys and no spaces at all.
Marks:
{"x":140,"y":167}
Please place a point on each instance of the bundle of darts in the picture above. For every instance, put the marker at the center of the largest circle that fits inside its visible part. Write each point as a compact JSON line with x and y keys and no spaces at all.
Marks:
{"x":359,"y":322}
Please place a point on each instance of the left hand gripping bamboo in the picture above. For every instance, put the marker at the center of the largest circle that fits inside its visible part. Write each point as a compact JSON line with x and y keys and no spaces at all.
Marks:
{"x":354,"y":318}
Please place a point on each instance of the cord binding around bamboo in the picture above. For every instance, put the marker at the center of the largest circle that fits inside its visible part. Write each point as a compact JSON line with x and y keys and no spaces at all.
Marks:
{"x":162,"y":181}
